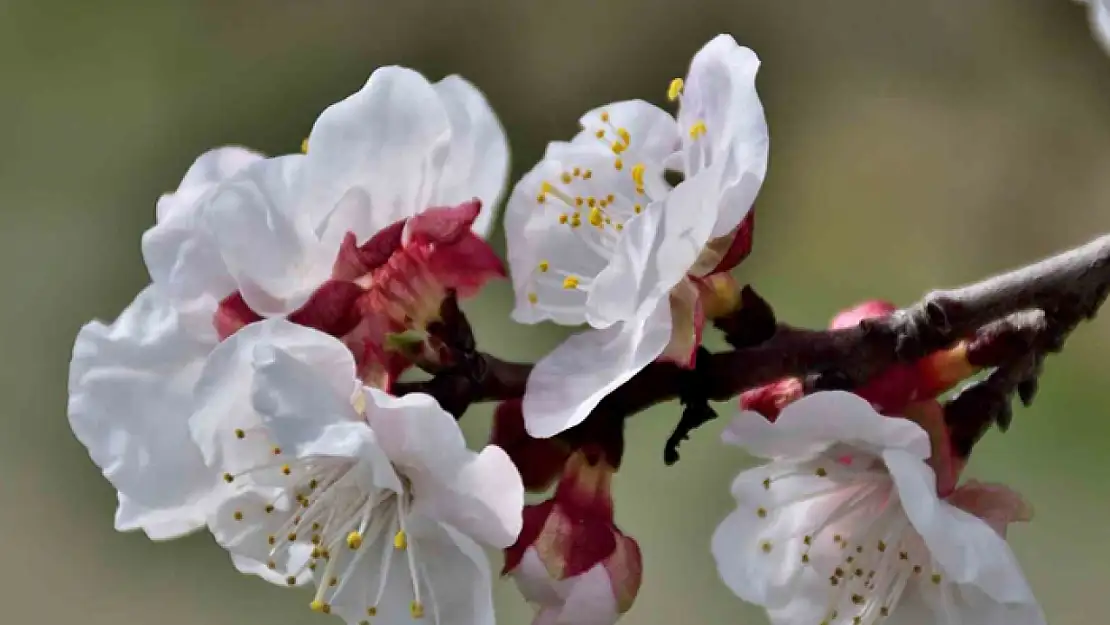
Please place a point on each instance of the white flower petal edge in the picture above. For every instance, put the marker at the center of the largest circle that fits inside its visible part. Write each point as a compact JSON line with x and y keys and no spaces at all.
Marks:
{"x":130,"y":393}
{"x":1100,"y":21}
{"x":376,"y":498}
{"x":477,"y":162}
{"x":844,"y":523}
{"x":181,"y":256}
{"x":567,"y":384}
{"x":720,"y":98}
{"x":401,"y":145}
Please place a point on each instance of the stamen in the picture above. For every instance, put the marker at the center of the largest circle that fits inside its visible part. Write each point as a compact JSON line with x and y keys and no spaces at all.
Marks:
{"x":674,"y":90}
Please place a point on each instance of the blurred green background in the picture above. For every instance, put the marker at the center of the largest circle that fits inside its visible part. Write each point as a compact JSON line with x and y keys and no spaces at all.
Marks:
{"x":914,"y":145}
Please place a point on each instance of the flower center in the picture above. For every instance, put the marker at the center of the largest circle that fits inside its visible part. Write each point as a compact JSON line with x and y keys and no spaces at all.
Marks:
{"x":594,"y":212}
{"x":342,"y":522}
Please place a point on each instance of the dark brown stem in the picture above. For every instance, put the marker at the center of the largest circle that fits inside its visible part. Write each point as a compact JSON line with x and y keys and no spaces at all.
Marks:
{"x":1058,"y":292}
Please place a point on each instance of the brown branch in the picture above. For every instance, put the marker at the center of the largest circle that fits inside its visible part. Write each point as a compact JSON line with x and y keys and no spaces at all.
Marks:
{"x":1068,"y":288}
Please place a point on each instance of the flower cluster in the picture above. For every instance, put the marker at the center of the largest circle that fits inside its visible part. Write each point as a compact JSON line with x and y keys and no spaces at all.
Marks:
{"x":252,"y":389}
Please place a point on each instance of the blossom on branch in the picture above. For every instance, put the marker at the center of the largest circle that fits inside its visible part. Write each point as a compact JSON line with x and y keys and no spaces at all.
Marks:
{"x":374,"y":498}
{"x":597,"y":235}
{"x":571,"y":561}
{"x":844,"y":525}
{"x":340,"y":239}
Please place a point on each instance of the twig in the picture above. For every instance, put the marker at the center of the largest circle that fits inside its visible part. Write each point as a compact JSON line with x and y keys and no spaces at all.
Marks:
{"x":1068,"y":288}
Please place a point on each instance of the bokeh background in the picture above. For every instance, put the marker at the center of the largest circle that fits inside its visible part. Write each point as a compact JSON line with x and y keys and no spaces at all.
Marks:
{"x":914,"y":145}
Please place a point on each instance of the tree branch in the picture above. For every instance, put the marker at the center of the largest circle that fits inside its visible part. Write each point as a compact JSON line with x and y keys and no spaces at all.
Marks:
{"x":1066,"y":288}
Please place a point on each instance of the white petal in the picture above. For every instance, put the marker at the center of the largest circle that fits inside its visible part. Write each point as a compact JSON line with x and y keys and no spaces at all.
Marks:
{"x":591,"y":600}
{"x":224,"y":391}
{"x":209,"y":168}
{"x":534,"y":234}
{"x":477,"y":164}
{"x":758,"y":548}
{"x":130,"y":390}
{"x":267,"y":243}
{"x":720,"y":92}
{"x":656,"y":252}
{"x":302,"y":408}
{"x":820,"y":420}
{"x":480,"y":494}
{"x":567,"y":384}
{"x":452,"y":571}
{"x":242,"y":525}
{"x":389,"y":139}
{"x":652,"y":131}
{"x":1100,"y":22}
{"x":967,"y":550}
{"x":182,"y":257}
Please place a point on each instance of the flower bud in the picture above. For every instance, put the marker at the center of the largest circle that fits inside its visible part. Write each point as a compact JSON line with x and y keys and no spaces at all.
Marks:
{"x":571,"y":560}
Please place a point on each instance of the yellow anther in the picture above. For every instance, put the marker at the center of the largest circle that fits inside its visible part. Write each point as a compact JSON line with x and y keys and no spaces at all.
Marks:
{"x":917,"y":568}
{"x":884,"y":611}
{"x":936,"y":578}
{"x":533,"y":298}
{"x":354,"y":540}
{"x":805,"y":558}
{"x":608,"y":221}
{"x":269,"y":509}
{"x":857,"y":599}
{"x":416,"y":609}
{"x":617,"y":148}
{"x":312,"y":484}
{"x":766,"y":482}
{"x":625,"y":136}
{"x":304,"y":145}
{"x":638,"y":174}
{"x":333,"y":582}
{"x":320,"y":606}
{"x":563,"y":218}
{"x":317,"y":539}
{"x":238,"y":515}
{"x":285,"y":469}
{"x":400,"y":540}
{"x":578,"y":201}
{"x":541,"y":198}
{"x":570,"y":282}
{"x":619,"y":227}
{"x":271,"y":565}
{"x":312,"y":566}
{"x":761,"y":513}
{"x":697,"y":130}
{"x":586,"y":175}
{"x":575,"y":220}
{"x":240,"y":433}
{"x":765,"y":546}
{"x":292,"y":581}
{"x":372,"y":611}
{"x":577,"y":171}
{"x":277,"y":451}
{"x":600,"y":134}
{"x":566,"y":178}
{"x":675,"y":89}
{"x":605,"y":116}
{"x":271,"y":539}
{"x":292,"y":536}
{"x":610,"y":198}
{"x":881,"y":546}
{"x":618,"y":164}
{"x":229,"y":478}
{"x":591,"y":201}
{"x":596,"y":218}
{"x":544,"y":266}
{"x":639,"y":209}
{"x":821,"y":472}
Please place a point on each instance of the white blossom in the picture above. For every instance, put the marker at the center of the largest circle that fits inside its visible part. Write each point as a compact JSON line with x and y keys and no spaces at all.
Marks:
{"x":268,"y":229}
{"x":375,"y":498}
{"x":596,"y":235}
{"x":844,"y":526}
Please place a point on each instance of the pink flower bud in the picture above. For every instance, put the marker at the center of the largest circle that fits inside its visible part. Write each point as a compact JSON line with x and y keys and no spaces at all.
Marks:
{"x":571,"y":560}
{"x":769,"y":399}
